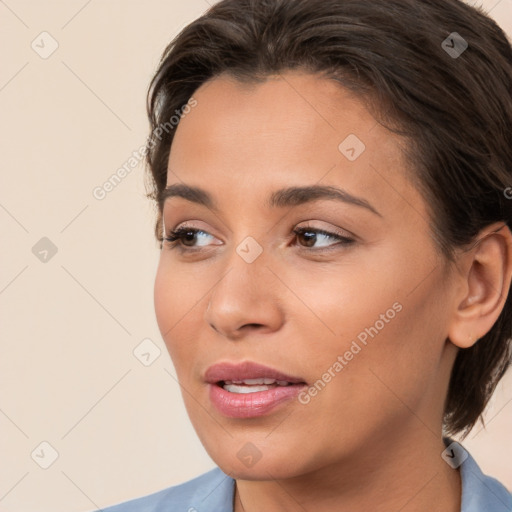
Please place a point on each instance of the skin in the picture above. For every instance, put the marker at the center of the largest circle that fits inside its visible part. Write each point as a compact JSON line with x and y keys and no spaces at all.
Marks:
{"x":371,"y":439}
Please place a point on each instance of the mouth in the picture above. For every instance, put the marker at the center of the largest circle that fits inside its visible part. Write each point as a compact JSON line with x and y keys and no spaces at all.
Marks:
{"x":241,"y":377}
{"x":253,"y":385}
{"x":248,"y":389}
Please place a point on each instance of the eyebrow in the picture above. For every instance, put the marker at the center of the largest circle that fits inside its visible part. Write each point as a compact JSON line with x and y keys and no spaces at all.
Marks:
{"x":286,"y":197}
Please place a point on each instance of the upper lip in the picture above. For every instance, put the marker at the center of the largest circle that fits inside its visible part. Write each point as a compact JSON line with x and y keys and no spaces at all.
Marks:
{"x":246,"y":370}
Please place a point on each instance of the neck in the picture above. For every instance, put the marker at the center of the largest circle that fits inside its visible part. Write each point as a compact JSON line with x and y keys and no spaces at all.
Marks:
{"x":406,"y":474}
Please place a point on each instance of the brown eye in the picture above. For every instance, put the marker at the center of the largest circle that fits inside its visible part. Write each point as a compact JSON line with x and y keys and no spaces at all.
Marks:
{"x":186,"y":237}
{"x":308,"y":237}
{"x":311,"y":236}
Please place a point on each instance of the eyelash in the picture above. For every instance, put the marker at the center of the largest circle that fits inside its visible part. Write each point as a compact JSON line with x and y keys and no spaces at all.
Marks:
{"x":174,"y":238}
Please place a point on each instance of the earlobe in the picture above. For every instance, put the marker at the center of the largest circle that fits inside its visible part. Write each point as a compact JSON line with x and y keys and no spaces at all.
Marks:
{"x":487,"y":274}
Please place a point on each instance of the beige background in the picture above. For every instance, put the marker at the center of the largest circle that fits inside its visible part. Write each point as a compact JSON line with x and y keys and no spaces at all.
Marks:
{"x":70,"y":324}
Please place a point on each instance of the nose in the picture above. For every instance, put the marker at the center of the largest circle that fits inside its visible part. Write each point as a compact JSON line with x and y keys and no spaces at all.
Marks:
{"x":247,"y":298}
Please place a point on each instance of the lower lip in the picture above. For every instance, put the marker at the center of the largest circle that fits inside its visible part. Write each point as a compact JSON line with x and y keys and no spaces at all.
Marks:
{"x":251,"y":405}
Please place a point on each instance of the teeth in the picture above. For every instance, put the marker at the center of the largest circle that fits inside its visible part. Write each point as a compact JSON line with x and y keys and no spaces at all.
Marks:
{"x":258,"y":382}
{"x":235,"y":388}
{"x":253,"y":382}
{"x":252,"y":385}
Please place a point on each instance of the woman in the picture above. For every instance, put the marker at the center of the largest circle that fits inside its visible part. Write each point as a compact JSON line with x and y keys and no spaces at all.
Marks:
{"x":331,"y":179}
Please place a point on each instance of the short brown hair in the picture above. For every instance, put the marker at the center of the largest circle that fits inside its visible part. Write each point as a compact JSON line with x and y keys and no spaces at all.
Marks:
{"x":455,"y":108}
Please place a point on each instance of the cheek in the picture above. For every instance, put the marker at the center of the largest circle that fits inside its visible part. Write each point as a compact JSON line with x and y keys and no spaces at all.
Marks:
{"x":390,"y":359}
{"x":164,"y":299}
{"x":373,"y":328}
{"x":338,"y":304}
{"x":174,"y":302}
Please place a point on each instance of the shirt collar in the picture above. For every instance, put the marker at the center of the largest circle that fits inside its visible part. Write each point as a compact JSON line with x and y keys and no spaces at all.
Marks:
{"x":482,"y":493}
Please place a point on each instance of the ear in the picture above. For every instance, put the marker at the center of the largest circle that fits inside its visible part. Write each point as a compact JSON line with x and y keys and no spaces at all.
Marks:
{"x":485,"y":273}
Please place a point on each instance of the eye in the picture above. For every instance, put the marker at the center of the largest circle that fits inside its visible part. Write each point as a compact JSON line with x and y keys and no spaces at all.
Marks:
{"x":186,"y":237}
{"x":313,"y":235}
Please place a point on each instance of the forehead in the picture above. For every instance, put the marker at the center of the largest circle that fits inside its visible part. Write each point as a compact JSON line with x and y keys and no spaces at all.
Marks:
{"x":294,"y":113}
{"x":293,"y":128}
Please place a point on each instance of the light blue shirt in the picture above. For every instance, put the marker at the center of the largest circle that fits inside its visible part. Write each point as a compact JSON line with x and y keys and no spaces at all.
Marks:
{"x":213,"y":492}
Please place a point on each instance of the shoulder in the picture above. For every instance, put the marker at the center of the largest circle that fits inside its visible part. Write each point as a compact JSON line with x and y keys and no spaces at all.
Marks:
{"x":211,"y":491}
{"x":480,"y":492}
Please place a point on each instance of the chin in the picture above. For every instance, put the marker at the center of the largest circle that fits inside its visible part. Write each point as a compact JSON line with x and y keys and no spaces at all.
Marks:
{"x":262,"y":470}
{"x":241,"y":458}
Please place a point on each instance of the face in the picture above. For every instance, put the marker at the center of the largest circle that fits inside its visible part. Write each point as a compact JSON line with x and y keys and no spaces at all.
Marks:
{"x":342,"y":296}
